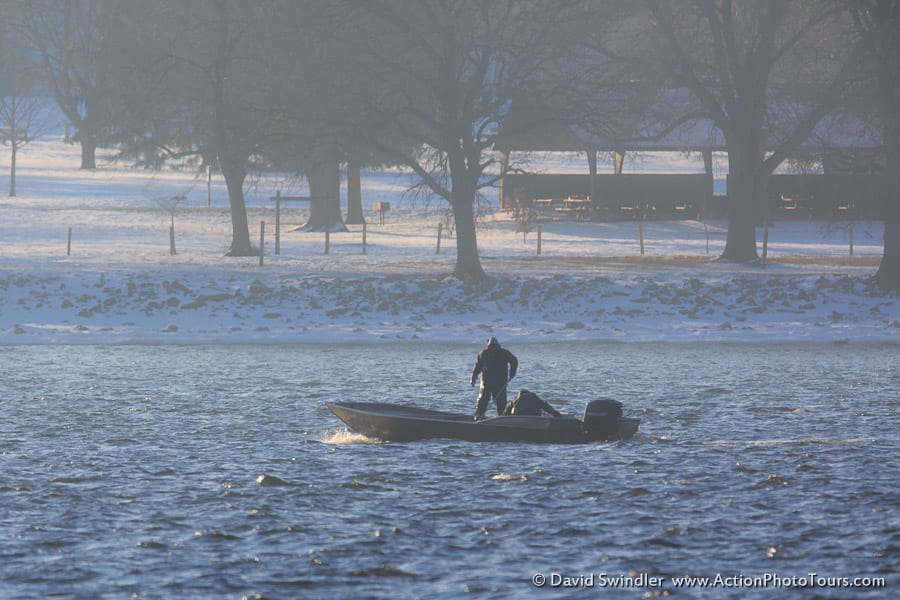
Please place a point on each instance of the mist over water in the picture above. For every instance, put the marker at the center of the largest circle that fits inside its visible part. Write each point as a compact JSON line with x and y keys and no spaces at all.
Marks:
{"x":217,"y":471}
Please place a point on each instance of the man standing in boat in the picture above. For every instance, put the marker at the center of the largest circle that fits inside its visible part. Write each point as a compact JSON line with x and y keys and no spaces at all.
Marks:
{"x":497,"y":366}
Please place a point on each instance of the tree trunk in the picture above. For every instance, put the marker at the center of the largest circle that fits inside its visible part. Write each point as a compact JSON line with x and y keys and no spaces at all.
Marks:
{"x":231,"y":151}
{"x":325,"y":189}
{"x":13,"y":144}
{"x":14,"y":148}
{"x":746,"y":189}
{"x":468,"y":263}
{"x":234,"y":174}
{"x":888,"y":275}
{"x":743,"y":204}
{"x":88,"y":153}
{"x":354,"y":195}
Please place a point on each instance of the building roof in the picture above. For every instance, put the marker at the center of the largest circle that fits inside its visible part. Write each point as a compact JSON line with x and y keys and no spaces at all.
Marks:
{"x":673,"y":123}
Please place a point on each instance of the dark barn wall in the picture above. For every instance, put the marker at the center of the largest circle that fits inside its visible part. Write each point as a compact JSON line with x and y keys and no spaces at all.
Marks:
{"x":658,"y":195}
{"x":667,"y":196}
{"x":827,"y":196}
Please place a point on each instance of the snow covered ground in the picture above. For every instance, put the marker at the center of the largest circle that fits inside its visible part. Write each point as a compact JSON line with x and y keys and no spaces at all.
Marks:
{"x":119,"y":284}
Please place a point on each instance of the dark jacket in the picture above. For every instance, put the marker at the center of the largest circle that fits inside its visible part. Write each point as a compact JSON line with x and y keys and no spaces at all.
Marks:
{"x":529,"y":403}
{"x":496,"y":365}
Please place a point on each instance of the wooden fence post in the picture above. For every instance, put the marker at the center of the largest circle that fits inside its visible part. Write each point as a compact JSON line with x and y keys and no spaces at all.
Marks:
{"x":278,"y":222}
{"x":641,"y":235}
{"x":262,"y":241}
{"x":538,"y":240}
{"x":69,"y":243}
{"x":327,"y":241}
{"x":440,"y":227}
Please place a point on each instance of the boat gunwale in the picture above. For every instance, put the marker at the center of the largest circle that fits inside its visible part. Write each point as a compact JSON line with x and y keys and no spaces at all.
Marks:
{"x":426,"y":414}
{"x":410,"y":414}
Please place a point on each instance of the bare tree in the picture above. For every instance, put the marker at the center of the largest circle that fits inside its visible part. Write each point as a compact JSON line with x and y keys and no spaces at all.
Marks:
{"x":208,"y":90}
{"x":25,"y":114}
{"x":449,"y":70}
{"x":311,"y":61}
{"x":75,"y":39}
{"x":766,"y":73}
{"x":325,"y":103}
{"x":878,"y":22}
{"x":23,"y":119}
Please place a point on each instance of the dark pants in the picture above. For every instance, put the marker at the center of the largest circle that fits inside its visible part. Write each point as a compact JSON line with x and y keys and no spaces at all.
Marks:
{"x":485,"y":394}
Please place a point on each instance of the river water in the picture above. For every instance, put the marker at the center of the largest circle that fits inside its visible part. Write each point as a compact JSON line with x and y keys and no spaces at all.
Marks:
{"x":217,"y":472}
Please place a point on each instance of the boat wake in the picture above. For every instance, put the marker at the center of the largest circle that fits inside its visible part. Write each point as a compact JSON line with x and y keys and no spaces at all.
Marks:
{"x":508,"y":477}
{"x":343,"y":436}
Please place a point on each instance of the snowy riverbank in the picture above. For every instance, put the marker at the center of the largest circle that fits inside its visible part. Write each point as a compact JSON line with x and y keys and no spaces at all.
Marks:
{"x":191,"y":305}
{"x":119,"y":284}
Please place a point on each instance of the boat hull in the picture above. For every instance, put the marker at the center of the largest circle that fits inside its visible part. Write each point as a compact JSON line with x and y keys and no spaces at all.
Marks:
{"x":399,"y":423}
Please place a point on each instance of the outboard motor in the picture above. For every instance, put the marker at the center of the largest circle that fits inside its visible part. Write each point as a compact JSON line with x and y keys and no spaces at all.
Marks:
{"x":601,"y":417}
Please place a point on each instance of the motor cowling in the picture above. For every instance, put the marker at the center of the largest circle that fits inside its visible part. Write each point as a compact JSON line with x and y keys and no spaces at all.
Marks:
{"x":601,"y":417}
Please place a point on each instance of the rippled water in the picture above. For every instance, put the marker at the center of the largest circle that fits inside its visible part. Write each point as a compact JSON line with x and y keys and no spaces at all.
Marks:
{"x":216,"y":471}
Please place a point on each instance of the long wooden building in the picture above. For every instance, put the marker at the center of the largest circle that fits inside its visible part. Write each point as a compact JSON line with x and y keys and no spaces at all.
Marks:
{"x":849,"y":186}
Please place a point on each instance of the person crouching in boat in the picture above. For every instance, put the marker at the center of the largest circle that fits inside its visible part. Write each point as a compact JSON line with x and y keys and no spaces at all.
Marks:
{"x":497,"y":366}
{"x":529,"y":403}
